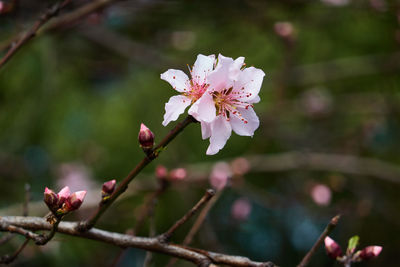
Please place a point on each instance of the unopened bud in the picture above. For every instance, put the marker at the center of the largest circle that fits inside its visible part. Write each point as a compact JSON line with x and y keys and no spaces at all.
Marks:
{"x":161,"y":172}
{"x":74,"y":201}
{"x":332,"y":248}
{"x":370,"y":252}
{"x":63,"y":195}
{"x":51,"y":199}
{"x":108,"y":188}
{"x":284,"y":29}
{"x":146,"y":138}
{"x":178,"y":174}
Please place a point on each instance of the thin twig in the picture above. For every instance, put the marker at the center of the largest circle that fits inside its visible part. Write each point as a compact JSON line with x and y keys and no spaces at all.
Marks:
{"x":197,"y":224}
{"x":7,"y":259}
{"x":123,"y":240}
{"x":85,"y":225}
{"x":50,"y":13}
{"x":329,"y":228}
{"x":207,"y":196}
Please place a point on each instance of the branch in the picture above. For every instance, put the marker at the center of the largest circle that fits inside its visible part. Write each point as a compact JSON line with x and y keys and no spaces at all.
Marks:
{"x":50,"y":13}
{"x":150,"y":244}
{"x":7,"y":259}
{"x":85,"y":225}
{"x":329,"y":228}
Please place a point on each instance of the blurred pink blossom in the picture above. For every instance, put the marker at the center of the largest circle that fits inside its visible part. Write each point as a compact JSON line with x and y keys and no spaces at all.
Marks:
{"x":321,"y":194}
{"x":178,"y":174}
{"x":241,"y":209}
{"x":161,"y":172}
{"x":219,"y":175}
{"x":284,"y":29}
{"x":240,"y":166}
{"x":75,"y":175}
{"x":336,"y":2}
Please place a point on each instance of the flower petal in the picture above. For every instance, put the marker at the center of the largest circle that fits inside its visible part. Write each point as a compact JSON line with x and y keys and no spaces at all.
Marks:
{"x":204,"y":108}
{"x":240,"y":127}
{"x":219,"y":78}
{"x":176,"y":78}
{"x":220,"y":133}
{"x":235,"y":68}
{"x":202,"y":67}
{"x":249,"y":83}
{"x":175,"y":107}
{"x":205,"y":130}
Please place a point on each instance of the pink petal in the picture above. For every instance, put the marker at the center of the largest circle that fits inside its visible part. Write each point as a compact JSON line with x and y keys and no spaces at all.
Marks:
{"x":220,"y":133}
{"x":235,"y":68}
{"x":202,"y":67}
{"x":204,"y":108}
{"x":249,"y":82}
{"x":80,"y":195}
{"x":175,"y":107}
{"x":219,"y":78}
{"x":176,"y":78}
{"x":64,"y":193}
{"x":205,"y":130}
{"x":241,"y":127}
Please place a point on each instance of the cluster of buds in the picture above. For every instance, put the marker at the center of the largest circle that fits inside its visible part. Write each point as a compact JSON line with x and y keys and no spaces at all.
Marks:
{"x":177,"y":174}
{"x":334,"y":251}
{"x":146,"y":139}
{"x":63,"y":202}
{"x":107,"y":189}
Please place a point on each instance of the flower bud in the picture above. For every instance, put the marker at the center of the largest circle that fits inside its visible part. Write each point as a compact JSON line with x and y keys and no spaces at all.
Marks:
{"x":51,"y":199}
{"x":108,"y":188}
{"x":370,"y":252}
{"x":63,"y":195}
{"x":74,"y":201}
{"x":178,"y":174}
{"x":332,"y":248}
{"x":161,"y":172}
{"x":146,"y":138}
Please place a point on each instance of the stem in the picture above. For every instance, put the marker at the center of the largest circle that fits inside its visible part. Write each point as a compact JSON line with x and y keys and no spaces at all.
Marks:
{"x":329,"y":228}
{"x":86,"y":225}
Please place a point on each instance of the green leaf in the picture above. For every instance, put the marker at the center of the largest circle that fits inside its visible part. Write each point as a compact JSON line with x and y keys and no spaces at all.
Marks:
{"x":353,"y":243}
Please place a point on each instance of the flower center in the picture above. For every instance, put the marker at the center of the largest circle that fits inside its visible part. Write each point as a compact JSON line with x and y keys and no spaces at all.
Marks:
{"x":227,"y":102}
{"x":196,"y":90}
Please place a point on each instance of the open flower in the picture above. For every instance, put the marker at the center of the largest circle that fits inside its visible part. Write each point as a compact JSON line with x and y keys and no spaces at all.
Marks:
{"x":190,"y":89}
{"x":228,"y":103}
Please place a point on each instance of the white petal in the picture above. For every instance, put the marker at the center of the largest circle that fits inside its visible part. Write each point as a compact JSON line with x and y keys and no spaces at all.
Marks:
{"x":242,"y":128}
{"x":249,"y":82}
{"x":255,"y":100}
{"x":204,"y":108}
{"x":202,"y":67}
{"x":219,"y":78}
{"x":220,"y":133}
{"x":177,"y":79}
{"x":205,"y":130}
{"x":234,"y":69}
{"x":175,"y":107}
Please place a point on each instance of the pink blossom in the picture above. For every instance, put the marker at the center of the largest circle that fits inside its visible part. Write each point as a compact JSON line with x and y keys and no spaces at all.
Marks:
{"x":74,"y":201}
{"x":220,"y":174}
{"x":146,"y":137}
{"x":241,"y":209}
{"x":161,"y":172}
{"x":178,"y":174}
{"x":190,"y":89}
{"x":63,"y":195}
{"x":321,"y":194}
{"x":228,"y":103}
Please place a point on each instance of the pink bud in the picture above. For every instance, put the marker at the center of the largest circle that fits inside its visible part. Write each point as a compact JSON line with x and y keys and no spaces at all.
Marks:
{"x":146,"y":137}
{"x":161,"y":172}
{"x":178,"y":174}
{"x":370,"y":252}
{"x":51,"y":199}
{"x":284,"y":29}
{"x":108,"y":187}
{"x":332,"y":248}
{"x":74,"y":201}
{"x":63,"y":195}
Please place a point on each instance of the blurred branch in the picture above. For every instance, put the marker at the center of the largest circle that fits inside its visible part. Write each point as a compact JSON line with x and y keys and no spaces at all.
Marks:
{"x":85,"y":225}
{"x":197,"y":224}
{"x":329,"y":228}
{"x":207,"y":196}
{"x":196,"y":256}
{"x":50,"y":13}
{"x":7,"y":259}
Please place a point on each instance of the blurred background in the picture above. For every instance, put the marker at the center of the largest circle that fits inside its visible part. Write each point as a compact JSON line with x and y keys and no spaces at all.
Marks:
{"x":72,"y":100}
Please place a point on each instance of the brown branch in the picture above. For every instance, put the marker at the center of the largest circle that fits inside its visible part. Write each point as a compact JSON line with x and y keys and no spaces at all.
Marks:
{"x":150,"y":244}
{"x":85,"y":225}
{"x":207,"y":196}
{"x":50,"y":13}
{"x":7,"y":259}
{"x":329,"y":228}
{"x":197,"y":224}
